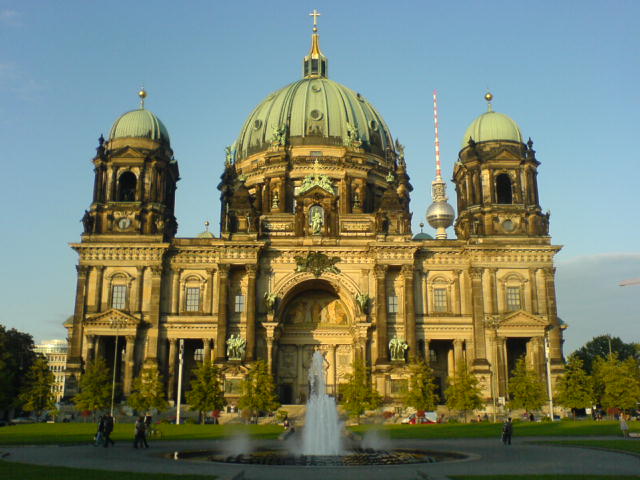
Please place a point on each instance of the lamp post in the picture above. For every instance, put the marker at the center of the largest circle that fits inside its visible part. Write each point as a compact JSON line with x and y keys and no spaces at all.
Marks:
{"x":547,"y":358}
{"x":180,"y":361}
{"x":117,"y":324}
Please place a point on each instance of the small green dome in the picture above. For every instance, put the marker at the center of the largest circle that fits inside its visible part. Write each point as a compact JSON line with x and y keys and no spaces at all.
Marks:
{"x":314,"y":111}
{"x":492,"y":126}
{"x":422,"y":236}
{"x":139,"y":123}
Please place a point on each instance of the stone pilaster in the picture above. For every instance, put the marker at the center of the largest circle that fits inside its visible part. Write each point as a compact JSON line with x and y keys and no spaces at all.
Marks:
{"x":409,"y":310}
{"x":382,"y":337}
{"x":221,"y":338}
{"x":153,"y":315}
{"x":171,"y":361}
{"x":129,"y":364}
{"x":480,"y":362}
{"x":251,"y":313}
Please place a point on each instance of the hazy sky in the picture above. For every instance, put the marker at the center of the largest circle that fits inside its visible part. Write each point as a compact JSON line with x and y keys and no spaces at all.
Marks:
{"x":567,"y":72}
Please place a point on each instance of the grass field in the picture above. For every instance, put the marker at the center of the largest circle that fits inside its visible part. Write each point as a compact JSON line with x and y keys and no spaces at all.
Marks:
{"x":565,"y":428}
{"x":66,"y":433}
{"x":23,"y":471}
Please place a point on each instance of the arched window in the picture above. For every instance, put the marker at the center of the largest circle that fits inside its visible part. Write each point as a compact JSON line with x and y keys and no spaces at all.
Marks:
{"x":127,"y":187}
{"x":503,"y":189}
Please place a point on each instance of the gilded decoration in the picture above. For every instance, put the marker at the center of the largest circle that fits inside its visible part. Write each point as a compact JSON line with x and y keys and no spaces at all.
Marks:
{"x":317,"y":180}
{"x":317,"y":263}
{"x":316,"y":308}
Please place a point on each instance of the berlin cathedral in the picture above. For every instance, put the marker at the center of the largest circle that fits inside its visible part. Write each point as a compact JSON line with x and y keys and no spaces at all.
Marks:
{"x":316,"y":252}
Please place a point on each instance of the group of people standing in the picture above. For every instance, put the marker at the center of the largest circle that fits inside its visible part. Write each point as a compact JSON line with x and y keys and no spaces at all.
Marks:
{"x":141,"y":431}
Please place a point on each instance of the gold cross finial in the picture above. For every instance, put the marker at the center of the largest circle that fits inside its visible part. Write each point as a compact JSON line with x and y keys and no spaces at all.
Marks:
{"x":315,"y":14}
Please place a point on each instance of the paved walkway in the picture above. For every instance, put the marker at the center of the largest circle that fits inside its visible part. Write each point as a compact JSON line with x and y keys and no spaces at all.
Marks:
{"x":486,"y":456}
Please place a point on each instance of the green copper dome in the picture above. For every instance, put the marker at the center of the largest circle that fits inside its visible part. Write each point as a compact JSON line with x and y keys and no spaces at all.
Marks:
{"x":314,"y":111}
{"x":492,"y":126}
{"x":139,"y":123}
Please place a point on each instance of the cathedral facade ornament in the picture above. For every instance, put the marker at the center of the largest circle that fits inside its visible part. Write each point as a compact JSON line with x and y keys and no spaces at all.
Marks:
{"x":317,"y":263}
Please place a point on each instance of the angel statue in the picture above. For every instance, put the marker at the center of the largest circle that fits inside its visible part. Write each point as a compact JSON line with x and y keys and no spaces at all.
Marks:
{"x":235,"y":347}
{"x":397,"y":348}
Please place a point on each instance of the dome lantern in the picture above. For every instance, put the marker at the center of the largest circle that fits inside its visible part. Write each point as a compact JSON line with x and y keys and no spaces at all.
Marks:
{"x":315,"y":64}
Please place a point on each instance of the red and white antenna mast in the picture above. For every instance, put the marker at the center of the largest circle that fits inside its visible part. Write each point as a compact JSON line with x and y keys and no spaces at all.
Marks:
{"x":435,"y":123}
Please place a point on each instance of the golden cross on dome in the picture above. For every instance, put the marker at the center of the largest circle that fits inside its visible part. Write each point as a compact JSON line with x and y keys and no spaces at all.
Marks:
{"x":315,"y":14}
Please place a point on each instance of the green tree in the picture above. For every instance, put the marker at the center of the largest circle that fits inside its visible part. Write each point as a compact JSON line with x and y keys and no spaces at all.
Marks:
{"x":207,"y":391}
{"x":148,"y":390}
{"x":358,"y":393}
{"x":16,"y":358}
{"x":421,"y":393}
{"x":463,"y":393}
{"x":526,"y":388}
{"x":601,"y":347}
{"x":95,"y":387}
{"x":36,"y":395}
{"x":574,"y":388}
{"x":258,"y":390}
{"x":617,"y":382}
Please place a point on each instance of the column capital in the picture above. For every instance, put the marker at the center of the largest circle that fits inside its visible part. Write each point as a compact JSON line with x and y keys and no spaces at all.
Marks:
{"x":223,"y":268}
{"x":156,"y":270}
{"x":251,"y":269}
{"x":476,"y":273}
{"x":380,"y":270}
{"x":83,"y":270}
{"x":407,"y":270}
{"x":173,"y":341}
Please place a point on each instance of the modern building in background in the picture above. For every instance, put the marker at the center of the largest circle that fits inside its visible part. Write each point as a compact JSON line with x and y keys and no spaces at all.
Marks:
{"x":316,"y":252}
{"x":56,"y":353}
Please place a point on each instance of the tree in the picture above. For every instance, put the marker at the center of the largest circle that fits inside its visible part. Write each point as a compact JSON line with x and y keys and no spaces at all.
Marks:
{"x":526,"y":388}
{"x":148,"y":390}
{"x":358,"y":393}
{"x":16,"y":358}
{"x":598,"y":347}
{"x":617,"y":382}
{"x":574,"y":388}
{"x":95,"y":387}
{"x":36,"y":395}
{"x":463,"y":393}
{"x":421,"y":393}
{"x":206,"y":390}
{"x":258,"y":390}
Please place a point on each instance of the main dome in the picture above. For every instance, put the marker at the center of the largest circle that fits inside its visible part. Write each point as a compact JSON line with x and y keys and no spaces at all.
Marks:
{"x":314,"y":111}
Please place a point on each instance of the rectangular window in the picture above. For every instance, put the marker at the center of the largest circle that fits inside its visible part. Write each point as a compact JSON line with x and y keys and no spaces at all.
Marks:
{"x":239,"y":303}
{"x":513,"y":299}
{"x":118,"y":296}
{"x":192,"y":303}
{"x":439,"y":299}
{"x":392,"y":306}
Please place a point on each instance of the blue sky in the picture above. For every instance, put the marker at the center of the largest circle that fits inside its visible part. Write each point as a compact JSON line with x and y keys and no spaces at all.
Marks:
{"x":567,"y":72}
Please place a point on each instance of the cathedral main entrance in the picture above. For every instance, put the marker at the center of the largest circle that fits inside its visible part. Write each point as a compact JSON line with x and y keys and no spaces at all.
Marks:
{"x":314,"y":319}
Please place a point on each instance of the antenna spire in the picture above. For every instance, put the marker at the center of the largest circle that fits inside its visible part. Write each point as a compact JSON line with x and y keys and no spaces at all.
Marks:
{"x":437,"y":144}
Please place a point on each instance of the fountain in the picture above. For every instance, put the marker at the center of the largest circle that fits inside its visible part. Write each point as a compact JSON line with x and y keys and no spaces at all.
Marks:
{"x":322,"y":430}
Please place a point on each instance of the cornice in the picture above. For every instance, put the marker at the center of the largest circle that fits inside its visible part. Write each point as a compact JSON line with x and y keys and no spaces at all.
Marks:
{"x":128,"y":252}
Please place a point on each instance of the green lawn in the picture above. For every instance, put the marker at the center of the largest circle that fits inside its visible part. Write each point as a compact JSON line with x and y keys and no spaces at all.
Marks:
{"x":564,"y":428}
{"x":36,"y":472}
{"x":65,"y":433}
{"x":630,"y":445}
{"x":544,"y":477}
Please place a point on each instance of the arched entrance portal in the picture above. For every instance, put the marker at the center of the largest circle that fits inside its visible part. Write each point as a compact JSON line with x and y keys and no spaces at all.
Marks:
{"x":314,"y":317}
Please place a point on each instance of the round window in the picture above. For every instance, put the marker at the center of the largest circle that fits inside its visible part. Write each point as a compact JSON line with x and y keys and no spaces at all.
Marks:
{"x":315,"y":114}
{"x":508,"y":226}
{"x":257,"y":124}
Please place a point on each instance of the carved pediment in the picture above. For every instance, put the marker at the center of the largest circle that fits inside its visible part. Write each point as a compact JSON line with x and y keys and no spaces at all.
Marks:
{"x":128,"y":152}
{"x":112,"y":317}
{"x":317,"y":191}
{"x":520,"y":319}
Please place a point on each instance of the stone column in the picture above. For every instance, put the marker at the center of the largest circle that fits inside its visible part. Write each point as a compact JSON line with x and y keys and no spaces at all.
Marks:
{"x":221,"y":338}
{"x":480,"y":362}
{"x":458,"y":354}
{"x":555,"y":335}
{"x":427,"y":351}
{"x":208,"y":308}
{"x":300,"y":372}
{"x":409,"y":310}
{"x":382,"y":338}
{"x":206,"y":342}
{"x":334,"y":367}
{"x":99,"y":272}
{"x":171,"y":363}
{"x":456,"y":298}
{"x":154,"y":313}
{"x":501,"y":365}
{"x":129,"y":364}
{"x":451,"y":370}
{"x":533,"y":288}
{"x":75,"y":353}
{"x":91,"y":341}
{"x":175,"y":292}
{"x":140,"y":290}
{"x":251,"y":313}
{"x":270,"y":355}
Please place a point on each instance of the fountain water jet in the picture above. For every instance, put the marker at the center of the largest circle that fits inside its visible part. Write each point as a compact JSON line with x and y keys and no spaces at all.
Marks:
{"x":322,"y":430}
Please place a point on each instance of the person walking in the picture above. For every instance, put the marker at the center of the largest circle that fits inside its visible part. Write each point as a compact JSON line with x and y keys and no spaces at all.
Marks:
{"x":623,"y":426}
{"x":108,"y":428}
{"x":140,"y":438}
{"x":99,"y":438}
{"x":507,"y":431}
